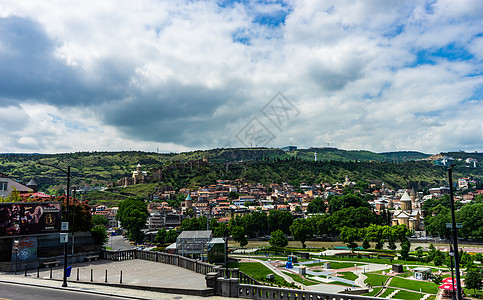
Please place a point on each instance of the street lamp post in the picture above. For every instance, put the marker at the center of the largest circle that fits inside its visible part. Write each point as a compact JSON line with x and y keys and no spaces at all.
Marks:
{"x":73,"y":219}
{"x":66,"y":218}
{"x":226,"y":252}
{"x":15,"y":249}
{"x":455,"y":239}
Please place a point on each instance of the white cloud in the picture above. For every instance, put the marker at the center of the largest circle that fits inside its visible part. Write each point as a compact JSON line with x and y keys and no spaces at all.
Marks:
{"x":113,"y":75}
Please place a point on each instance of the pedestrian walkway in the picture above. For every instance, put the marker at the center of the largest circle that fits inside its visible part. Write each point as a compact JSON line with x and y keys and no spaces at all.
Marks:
{"x":391,"y":295}
{"x":140,"y":279}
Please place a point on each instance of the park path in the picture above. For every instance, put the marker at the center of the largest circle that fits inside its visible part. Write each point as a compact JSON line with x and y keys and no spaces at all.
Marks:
{"x":279,"y":273}
{"x":384,"y":287}
{"x":360,"y":279}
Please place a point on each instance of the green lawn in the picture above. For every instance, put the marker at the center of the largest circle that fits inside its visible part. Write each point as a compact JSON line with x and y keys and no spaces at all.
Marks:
{"x":375,"y":279}
{"x":299,"y":279}
{"x":348,"y":275}
{"x":414,"y":285}
{"x":337,"y":265}
{"x":387,"y":292}
{"x":373,"y":292}
{"x":258,"y":271}
{"x":407,"y":295}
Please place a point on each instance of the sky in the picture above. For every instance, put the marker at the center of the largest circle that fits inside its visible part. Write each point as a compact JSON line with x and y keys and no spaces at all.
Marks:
{"x":175,"y":76}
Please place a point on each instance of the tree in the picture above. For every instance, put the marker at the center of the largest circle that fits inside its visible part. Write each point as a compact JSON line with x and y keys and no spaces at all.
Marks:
{"x":473,"y":279}
{"x":350,"y":200}
{"x":419,"y":252}
{"x":81,"y":215}
{"x":316,"y":206}
{"x":99,"y":233}
{"x":405,"y":248}
{"x":160,"y":237}
{"x":471,"y":216}
{"x":351,"y":217}
{"x":238,"y":234}
{"x":279,"y":220}
{"x":437,"y":279}
{"x":466,"y":259}
{"x":375,"y":233}
{"x":349,"y":235}
{"x":171,"y":236}
{"x":438,"y":258}
{"x":99,"y":220}
{"x":193,"y":224}
{"x":255,"y":224}
{"x":233,"y":195}
{"x":301,"y":229}
{"x":133,"y":214}
{"x":278,"y":239}
{"x":390,"y":235}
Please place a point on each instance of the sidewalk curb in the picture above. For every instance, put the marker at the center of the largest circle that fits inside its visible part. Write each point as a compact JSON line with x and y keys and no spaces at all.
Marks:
{"x":74,"y":289}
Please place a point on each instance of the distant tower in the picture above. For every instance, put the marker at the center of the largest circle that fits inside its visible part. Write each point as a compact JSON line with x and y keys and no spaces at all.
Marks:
{"x":347,"y":181}
{"x":33,"y":185}
{"x":413,"y":195}
{"x":315,"y":155}
{"x":188,"y":202}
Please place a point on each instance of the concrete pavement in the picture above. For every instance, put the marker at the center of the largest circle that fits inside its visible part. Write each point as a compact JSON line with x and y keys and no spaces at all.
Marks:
{"x":140,"y":280}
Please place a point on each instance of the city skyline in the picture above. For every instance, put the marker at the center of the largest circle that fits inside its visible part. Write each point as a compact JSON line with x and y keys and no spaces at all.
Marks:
{"x":180,"y":76}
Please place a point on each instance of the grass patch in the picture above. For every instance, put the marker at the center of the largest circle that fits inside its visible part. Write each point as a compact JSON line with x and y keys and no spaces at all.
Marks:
{"x":259,"y":272}
{"x":414,"y":285}
{"x":373,"y":260}
{"x":375,"y":279}
{"x":299,"y":279}
{"x":407,"y":295}
{"x":348,"y":275}
{"x":387,"y":292}
{"x":373,"y":292}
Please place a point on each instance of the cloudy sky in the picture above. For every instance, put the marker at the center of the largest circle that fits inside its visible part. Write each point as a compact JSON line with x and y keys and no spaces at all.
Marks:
{"x":173,"y":76}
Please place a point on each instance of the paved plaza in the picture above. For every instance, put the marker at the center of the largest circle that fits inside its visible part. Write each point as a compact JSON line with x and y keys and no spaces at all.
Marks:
{"x":140,"y":280}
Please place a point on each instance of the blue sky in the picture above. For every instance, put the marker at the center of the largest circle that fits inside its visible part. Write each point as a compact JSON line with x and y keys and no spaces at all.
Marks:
{"x":379,"y":75}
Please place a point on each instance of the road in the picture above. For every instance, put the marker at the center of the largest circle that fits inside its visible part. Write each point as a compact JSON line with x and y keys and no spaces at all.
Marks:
{"x":23,"y":292}
{"x":118,"y":242}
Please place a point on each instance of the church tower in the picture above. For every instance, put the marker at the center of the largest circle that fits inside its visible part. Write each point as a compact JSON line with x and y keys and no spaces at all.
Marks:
{"x":413,"y":195}
{"x":406,"y":202}
{"x":188,"y":202}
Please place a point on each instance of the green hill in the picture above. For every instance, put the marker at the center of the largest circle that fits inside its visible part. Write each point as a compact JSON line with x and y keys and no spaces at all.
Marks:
{"x":266,"y":165}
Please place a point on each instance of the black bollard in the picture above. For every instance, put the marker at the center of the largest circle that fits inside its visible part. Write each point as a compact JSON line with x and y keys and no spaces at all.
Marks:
{"x":120,"y":278}
{"x":25,"y":271}
{"x":92,"y":275}
{"x":38,"y":270}
{"x":77,"y":274}
{"x":50,"y":271}
{"x":106,"y":276}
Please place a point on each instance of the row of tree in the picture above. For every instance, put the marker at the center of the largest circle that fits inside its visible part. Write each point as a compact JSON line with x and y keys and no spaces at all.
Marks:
{"x":438,"y":214}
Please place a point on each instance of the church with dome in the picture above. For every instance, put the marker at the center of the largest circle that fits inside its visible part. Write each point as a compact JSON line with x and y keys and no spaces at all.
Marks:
{"x":409,"y":213}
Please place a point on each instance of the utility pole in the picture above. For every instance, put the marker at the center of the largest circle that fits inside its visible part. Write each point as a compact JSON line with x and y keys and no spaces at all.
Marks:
{"x":455,"y":238}
{"x":66,"y":218}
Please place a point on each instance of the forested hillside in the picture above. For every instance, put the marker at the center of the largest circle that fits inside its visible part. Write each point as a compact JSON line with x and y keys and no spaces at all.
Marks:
{"x":258,"y":165}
